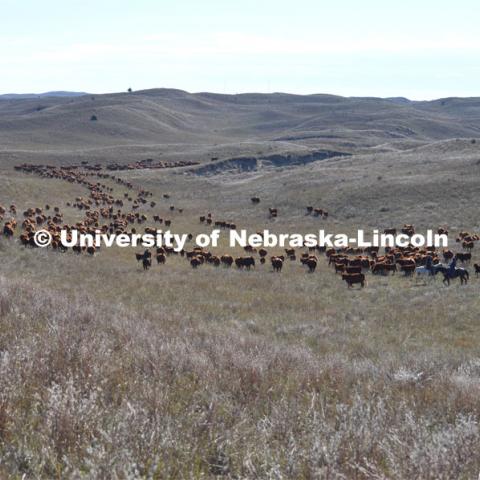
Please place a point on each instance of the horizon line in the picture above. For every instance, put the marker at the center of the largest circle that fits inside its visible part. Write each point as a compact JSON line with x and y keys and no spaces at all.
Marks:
{"x":78,"y":93}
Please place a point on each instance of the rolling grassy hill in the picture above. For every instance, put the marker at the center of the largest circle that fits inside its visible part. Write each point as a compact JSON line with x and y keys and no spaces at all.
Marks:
{"x":156,"y":118}
{"x":108,"y":371}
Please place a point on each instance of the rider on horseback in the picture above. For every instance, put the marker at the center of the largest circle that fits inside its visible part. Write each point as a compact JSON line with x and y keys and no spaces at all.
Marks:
{"x":429,"y":264}
{"x":452,"y":266}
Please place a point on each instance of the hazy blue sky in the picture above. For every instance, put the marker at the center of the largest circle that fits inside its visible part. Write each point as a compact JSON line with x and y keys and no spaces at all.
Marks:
{"x":419,"y":49}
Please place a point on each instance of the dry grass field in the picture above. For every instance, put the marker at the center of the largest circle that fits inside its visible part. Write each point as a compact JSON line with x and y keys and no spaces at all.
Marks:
{"x":108,"y":371}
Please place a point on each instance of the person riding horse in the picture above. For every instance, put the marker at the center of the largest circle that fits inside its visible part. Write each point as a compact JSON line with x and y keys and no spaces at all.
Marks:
{"x":452,"y":267}
{"x":429,"y":265}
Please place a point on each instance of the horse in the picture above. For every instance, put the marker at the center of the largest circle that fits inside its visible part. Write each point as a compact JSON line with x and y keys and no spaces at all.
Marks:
{"x":145,"y":258}
{"x":477,"y":269}
{"x":439,"y":267}
{"x":462,"y":273}
{"x":425,"y":272}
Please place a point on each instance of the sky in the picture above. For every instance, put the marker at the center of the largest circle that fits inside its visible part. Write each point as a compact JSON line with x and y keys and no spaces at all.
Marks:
{"x":416,"y":49}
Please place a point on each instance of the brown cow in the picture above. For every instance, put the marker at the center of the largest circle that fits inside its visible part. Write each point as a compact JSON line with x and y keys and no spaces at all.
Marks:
{"x":352,"y":278}
{"x":273,"y":212}
{"x":340,"y":267}
{"x":373,"y":250}
{"x":195,"y":262}
{"x":337,"y":258}
{"x":78,"y":250}
{"x":408,"y":230}
{"x":353,"y":270}
{"x":311,"y":263}
{"x":464,"y":257}
{"x":146,"y":263}
{"x":408,"y":269}
{"x":447,"y":255}
{"x":214,"y":260}
{"x":141,"y":256}
{"x":246,"y":262}
{"x":227,"y":260}
{"x":277,"y":264}
{"x":8,"y":231}
{"x":383,"y":268}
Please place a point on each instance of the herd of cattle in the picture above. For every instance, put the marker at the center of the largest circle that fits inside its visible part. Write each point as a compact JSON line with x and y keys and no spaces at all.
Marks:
{"x":350,"y":263}
{"x":103,"y":211}
{"x":151,"y":164}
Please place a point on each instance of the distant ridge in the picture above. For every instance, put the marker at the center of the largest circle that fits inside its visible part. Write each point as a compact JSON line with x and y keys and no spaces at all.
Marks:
{"x":401,"y":100}
{"x":19,"y":96}
{"x":159,"y":120}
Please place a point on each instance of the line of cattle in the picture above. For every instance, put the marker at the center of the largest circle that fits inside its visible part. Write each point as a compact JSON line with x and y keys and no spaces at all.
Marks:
{"x":103,"y":206}
{"x":150,"y":164}
{"x":350,"y":263}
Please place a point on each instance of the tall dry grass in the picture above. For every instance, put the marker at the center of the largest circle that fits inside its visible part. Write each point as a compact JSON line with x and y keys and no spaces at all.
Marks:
{"x":110,"y":372}
{"x":91,"y":388}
